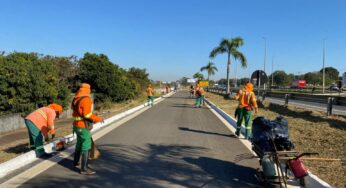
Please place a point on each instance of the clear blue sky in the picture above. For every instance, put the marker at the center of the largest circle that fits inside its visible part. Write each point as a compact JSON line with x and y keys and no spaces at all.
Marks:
{"x":173,"y":38}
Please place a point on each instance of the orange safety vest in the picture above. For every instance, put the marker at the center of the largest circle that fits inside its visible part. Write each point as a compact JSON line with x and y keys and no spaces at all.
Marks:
{"x":246,"y":98}
{"x":82,"y":111}
{"x":43,"y":119}
{"x":150,"y":91}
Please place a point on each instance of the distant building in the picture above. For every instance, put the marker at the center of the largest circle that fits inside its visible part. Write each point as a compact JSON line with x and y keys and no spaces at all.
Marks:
{"x":344,"y":78}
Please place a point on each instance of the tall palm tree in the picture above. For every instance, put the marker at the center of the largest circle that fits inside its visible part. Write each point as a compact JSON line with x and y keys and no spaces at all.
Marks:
{"x":230,"y":46}
{"x":210,"y":68}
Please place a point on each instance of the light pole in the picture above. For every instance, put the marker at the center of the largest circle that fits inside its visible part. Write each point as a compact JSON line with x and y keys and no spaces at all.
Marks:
{"x":273,"y":71}
{"x":265,"y":57}
{"x":324,"y":72}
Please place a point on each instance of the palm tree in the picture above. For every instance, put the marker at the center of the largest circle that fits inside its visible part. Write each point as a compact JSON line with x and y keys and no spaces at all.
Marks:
{"x":230,"y":46}
{"x":210,"y":68}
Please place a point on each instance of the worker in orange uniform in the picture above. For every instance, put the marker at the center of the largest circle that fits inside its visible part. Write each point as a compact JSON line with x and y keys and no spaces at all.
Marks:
{"x":150,"y":97}
{"x":82,"y":124}
{"x":199,"y":91}
{"x":41,"y":122}
{"x":247,"y":101}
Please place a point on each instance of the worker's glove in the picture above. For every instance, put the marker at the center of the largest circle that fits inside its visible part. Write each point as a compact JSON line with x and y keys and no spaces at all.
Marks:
{"x":53,"y":136}
{"x":46,"y":138}
{"x":102,"y":120}
{"x":256,"y":110}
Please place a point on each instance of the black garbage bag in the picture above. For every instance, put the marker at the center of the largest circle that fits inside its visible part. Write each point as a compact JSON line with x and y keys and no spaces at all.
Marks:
{"x":261,"y":134}
{"x":266,"y":132}
{"x":280,"y":127}
{"x":261,"y":129}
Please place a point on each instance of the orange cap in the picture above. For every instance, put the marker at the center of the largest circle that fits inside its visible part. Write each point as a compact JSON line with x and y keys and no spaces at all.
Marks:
{"x":85,"y":85}
{"x":249,"y":87}
{"x":55,"y":107}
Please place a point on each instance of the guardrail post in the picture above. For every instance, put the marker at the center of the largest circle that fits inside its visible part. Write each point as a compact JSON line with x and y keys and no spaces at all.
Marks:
{"x":286,"y":99}
{"x":330,"y":106}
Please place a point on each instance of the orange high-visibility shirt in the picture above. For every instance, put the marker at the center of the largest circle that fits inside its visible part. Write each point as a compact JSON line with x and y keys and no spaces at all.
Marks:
{"x":201,"y":90}
{"x":43,"y":118}
{"x":246,"y":98}
{"x":150,"y":91}
{"x":83,"y":111}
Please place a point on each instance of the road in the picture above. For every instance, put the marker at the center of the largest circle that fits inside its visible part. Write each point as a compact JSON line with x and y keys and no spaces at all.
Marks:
{"x":170,"y":145}
{"x":337,"y":109}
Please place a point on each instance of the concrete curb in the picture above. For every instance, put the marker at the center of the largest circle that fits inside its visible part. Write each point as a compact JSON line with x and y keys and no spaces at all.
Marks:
{"x":311,"y":181}
{"x":16,"y":163}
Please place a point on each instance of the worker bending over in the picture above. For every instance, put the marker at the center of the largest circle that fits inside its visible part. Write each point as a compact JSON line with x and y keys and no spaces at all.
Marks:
{"x":39,"y":123}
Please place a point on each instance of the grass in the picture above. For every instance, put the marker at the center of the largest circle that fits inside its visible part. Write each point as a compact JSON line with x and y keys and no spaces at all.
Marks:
{"x":310,"y":131}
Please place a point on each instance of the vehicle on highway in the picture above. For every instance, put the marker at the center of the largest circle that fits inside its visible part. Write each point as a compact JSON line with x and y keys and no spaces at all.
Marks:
{"x":333,"y":88}
{"x":298,"y":84}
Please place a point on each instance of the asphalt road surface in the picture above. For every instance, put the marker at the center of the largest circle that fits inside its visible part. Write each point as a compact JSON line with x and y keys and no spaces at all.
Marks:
{"x":170,"y":145}
{"x":337,"y":109}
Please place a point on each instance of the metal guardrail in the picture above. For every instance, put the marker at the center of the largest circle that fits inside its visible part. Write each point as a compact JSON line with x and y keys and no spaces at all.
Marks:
{"x":328,"y":100}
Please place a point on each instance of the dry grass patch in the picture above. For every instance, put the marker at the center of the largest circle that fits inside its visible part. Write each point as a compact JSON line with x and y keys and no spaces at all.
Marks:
{"x":310,"y":131}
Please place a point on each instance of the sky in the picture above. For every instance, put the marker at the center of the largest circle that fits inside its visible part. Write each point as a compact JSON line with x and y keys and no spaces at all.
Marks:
{"x":173,"y":38}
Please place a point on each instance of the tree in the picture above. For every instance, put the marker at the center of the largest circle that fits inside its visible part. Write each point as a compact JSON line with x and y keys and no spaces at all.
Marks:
{"x":141,"y":78}
{"x":199,"y":76}
{"x":242,"y":81}
{"x":108,"y":80}
{"x":281,"y":78}
{"x":210,"y":68}
{"x":222,"y":81}
{"x":313,"y":78}
{"x":332,"y":74}
{"x":230,"y":46}
{"x":29,"y":81}
{"x":183,"y":81}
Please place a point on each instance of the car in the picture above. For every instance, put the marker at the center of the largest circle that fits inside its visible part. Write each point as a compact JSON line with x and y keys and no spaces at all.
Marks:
{"x":334,"y":88}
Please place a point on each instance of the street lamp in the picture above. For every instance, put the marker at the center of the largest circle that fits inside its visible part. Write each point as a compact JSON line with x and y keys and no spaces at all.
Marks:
{"x":265,"y":57}
{"x":273,"y":71}
{"x":324,"y":72}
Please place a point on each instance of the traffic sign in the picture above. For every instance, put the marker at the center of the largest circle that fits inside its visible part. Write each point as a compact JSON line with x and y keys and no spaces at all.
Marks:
{"x":259,"y":77}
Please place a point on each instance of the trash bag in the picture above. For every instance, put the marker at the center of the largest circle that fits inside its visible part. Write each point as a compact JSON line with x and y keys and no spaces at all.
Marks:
{"x":266,"y":133}
{"x":280,"y":127}
{"x":261,"y":129}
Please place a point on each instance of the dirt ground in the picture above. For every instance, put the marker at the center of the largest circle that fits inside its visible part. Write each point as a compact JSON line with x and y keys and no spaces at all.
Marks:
{"x":310,"y":131}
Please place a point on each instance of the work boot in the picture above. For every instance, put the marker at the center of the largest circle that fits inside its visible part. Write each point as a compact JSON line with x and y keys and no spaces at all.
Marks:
{"x":85,"y":169}
{"x":237,"y":132}
{"x":76,"y":158}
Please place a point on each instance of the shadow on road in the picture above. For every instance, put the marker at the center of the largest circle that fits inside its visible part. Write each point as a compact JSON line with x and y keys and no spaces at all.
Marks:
{"x":206,"y":132}
{"x":18,"y":149}
{"x":186,"y":106}
{"x":224,"y":171}
{"x":150,"y":166}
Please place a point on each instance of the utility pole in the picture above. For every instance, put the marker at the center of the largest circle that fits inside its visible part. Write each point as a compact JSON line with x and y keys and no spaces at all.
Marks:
{"x":265,"y":57}
{"x":324,"y":72}
{"x":273,"y":71}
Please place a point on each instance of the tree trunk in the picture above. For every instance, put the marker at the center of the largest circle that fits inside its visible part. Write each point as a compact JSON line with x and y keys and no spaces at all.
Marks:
{"x":228,"y":65}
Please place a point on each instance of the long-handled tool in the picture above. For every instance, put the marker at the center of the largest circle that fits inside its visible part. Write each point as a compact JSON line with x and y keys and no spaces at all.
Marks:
{"x":277,"y":161}
{"x":343,"y":161}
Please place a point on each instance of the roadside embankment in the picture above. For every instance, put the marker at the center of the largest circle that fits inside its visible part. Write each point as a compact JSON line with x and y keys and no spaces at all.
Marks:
{"x":310,"y":131}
